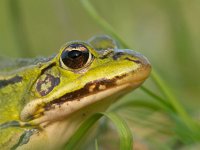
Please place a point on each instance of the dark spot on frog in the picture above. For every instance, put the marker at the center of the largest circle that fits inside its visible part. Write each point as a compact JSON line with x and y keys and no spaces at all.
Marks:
{"x":117,"y":55}
{"x":45,"y":85}
{"x":24,"y":138}
{"x":13,"y":80}
{"x":48,"y":67}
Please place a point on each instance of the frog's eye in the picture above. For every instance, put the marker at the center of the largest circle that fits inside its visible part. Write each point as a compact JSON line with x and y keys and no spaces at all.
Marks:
{"x":75,"y":56}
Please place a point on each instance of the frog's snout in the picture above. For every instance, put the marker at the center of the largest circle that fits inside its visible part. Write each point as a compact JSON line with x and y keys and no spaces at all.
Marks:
{"x":137,"y":76}
{"x":144,"y":70}
{"x":140,"y":59}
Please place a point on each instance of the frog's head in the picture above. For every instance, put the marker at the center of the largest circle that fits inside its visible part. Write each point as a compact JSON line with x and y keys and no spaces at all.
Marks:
{"x":83,"y":74}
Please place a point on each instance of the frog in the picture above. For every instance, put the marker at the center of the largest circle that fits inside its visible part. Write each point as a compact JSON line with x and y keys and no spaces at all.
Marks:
{"x":43,"y":101}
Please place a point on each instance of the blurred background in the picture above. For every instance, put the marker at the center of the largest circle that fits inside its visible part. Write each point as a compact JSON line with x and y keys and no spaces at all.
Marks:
{"x":166,"y":32}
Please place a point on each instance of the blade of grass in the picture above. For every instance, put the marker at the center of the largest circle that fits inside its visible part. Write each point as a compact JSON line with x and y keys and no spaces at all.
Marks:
{"x":126,"y":140}
{"x":141,"y":103}
{"x":156,"y":97}
{"x":173,"y":101}
{"x":108,"y":28}
{"x":96,"y":145}
{"x":85,"y":126}
{"x":145,"y":121}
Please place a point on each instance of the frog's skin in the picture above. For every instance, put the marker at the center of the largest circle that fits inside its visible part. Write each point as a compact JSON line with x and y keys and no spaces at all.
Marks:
{"x":44,"y":101}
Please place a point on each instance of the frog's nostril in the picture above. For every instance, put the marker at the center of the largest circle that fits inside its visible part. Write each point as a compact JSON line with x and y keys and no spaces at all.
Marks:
{"x":137,"y":57}
{"x":117,"y":55}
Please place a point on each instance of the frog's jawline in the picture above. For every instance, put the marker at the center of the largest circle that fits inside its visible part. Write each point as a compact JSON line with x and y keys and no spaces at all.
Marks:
{"x":91,"y":87}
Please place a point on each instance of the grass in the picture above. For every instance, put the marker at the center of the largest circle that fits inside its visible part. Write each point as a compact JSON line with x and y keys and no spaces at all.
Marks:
{"x":122,"y":128}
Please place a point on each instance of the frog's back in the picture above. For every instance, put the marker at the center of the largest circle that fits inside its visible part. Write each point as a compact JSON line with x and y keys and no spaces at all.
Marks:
{"x":11,"y":87}
{"x":16,"y":78}
{"x":10,"y":65}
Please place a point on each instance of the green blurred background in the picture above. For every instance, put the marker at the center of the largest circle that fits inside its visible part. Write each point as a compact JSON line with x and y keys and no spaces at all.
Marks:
{"x":165,"y":31}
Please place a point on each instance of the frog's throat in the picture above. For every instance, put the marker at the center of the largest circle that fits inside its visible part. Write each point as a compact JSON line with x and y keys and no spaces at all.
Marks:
{"x":38,"y":112}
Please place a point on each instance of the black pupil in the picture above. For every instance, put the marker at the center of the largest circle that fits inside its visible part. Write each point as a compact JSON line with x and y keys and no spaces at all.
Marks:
{"x":74,"y":54}
{"x":76,"y":57}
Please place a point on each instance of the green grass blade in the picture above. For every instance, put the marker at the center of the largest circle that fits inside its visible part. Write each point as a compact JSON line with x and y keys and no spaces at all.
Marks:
{"x":156,"y":97}
{"x":122,"y":129}
{"x":106,"y":26}
{"x":126,"y":139}
{"x":85,"y":126}
{"x":96,"y":145}
{"x":141,"y":103}
{"x":173,"y":101}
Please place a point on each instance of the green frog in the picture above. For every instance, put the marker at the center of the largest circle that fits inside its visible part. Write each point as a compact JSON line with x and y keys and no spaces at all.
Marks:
{"x":43,"y":101}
